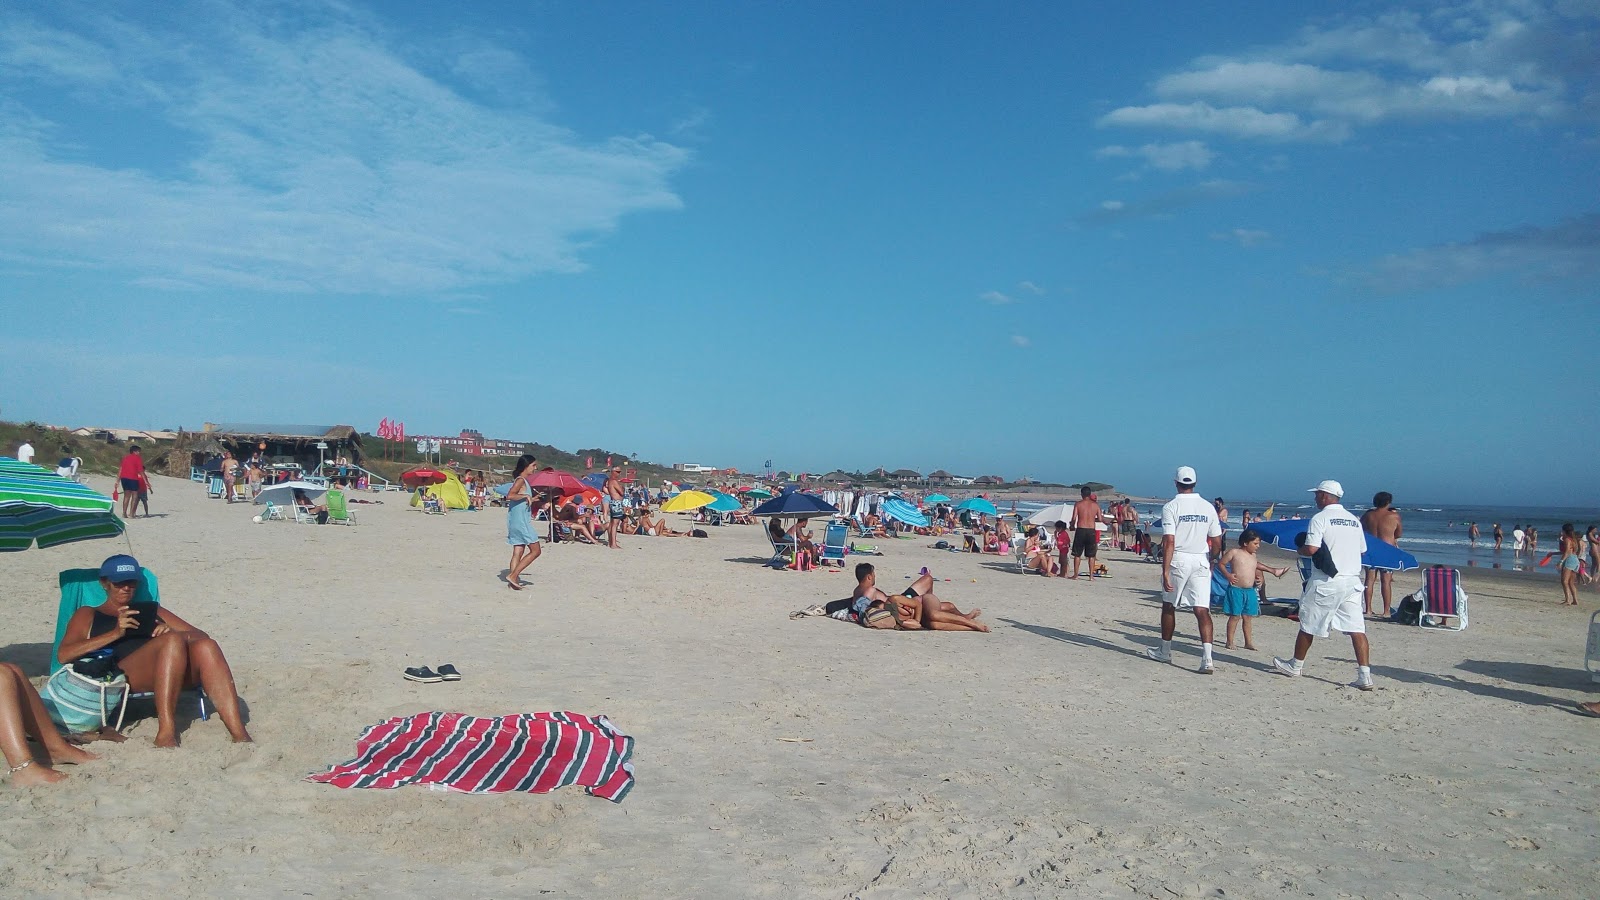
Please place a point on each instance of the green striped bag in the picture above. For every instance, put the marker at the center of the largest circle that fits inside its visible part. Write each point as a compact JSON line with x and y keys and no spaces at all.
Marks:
{"x":79,"y":703}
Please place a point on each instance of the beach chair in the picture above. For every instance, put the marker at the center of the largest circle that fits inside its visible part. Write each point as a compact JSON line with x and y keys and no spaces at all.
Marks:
{"x":834,"y":539}
{"x":303,"y":516}
{"x":272,"y":512}
{"x":782,"y":550}
{"x":338,"y":510}
{"x":214,"y":486}
{"x":80,"y":588}
{"x":1442,"y":599}
{"x":197,"y":474}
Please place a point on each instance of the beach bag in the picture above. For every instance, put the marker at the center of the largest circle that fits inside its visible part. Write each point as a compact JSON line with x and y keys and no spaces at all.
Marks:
{"x":1409,"y":612}
{"x":80,"y":703}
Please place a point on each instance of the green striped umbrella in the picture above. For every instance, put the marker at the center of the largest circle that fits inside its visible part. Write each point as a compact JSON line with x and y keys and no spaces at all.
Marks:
{"x":39,"y":505}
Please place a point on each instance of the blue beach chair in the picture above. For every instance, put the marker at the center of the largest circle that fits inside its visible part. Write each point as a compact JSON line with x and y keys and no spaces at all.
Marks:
{"x":80,"y":588}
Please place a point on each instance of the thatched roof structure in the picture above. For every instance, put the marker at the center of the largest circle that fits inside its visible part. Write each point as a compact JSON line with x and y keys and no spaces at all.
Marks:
{"x":988,"y":479}
{"x":907,"y":474}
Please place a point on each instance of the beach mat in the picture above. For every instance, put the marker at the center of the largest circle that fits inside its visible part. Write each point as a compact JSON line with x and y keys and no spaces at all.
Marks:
{"x":529,"y":752}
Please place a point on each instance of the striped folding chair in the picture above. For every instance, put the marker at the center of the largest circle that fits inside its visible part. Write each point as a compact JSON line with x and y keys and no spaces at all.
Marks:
{"x":1443,"y":599}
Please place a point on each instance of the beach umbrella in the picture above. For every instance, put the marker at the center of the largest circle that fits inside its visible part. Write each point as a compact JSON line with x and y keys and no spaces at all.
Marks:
{"x":587,"y":497}
{"x":423,"y":478}
{"x":758,"y":492}
{"x":901,"y":511}
{"x":978,"y":505}
{"x":39,"y":506}
{"x":595,"y":479}
{"x":684,"y":501}
{"x":1059,"y":512}
{"x":282,"y":494}
{"x":558,"y":482}
{"x":724,"y":502}
{"x":936,"y":498}
{"x":795,"y":505}
{"x":1380,"y":553}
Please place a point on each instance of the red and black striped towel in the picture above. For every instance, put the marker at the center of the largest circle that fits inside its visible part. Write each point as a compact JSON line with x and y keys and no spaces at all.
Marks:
{"x":533,"y":752}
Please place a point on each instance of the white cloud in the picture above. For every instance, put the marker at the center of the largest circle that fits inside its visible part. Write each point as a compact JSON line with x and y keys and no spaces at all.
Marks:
{"x":313,"y":158}
{"x":1111,"y":205}
{"x":1566,"y":251}
{"x":1233,"y":121}
{"x":1172,"y":157}
{"x":1020,"y":340}
{"x":1526,"y":60}
{"x":1164,"y":204}
{"x":995,"y":298}
{"x":1030,"y":287}
{"x":1244,"y":237}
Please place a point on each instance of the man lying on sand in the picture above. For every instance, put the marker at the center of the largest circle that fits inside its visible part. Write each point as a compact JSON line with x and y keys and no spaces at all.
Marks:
{"x":915,"y":609}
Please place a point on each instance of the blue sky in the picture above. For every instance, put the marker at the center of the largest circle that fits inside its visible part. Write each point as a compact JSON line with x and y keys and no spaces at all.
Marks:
{"x":1051,"y":240}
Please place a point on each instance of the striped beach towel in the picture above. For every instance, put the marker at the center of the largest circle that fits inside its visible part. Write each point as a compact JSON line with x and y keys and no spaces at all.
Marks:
{"x":532,"y":752}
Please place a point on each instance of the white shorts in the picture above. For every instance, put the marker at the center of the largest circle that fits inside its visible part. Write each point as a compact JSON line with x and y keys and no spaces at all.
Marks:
{"x":1334,"y":603}
{"x":1191,"y":581}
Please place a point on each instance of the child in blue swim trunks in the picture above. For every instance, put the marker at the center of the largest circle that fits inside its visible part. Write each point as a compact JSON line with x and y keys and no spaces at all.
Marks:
{"x":1244,"y":573}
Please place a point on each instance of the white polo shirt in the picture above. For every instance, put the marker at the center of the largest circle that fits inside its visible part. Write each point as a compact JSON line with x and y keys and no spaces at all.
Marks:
{"x":1337,"y":529}
{"x":25,"y":452}
{"x":1191,"y":520}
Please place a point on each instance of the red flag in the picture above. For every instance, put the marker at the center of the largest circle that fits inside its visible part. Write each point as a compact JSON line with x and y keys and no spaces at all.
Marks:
{"x":383,"y":426}
{"x":401,"y":434}
{"x":608,"y":462}
{"x":588,"y":462}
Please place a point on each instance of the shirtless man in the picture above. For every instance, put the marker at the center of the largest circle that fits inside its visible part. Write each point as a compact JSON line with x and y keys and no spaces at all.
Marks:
{"x":1498,"y":536}
{"x":614,"y":502}
{"x":915,"y":609}
{"x":1085,"y":539}
{"x":1382,"y":521}
{"x":1472,"y":534}
{"x":1128,"y":522}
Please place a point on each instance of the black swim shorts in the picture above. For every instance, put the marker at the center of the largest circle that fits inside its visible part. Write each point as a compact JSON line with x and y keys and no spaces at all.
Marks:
{"x":1085,"y":542}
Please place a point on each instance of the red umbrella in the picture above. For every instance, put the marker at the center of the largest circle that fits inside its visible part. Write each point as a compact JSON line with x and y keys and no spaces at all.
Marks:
{"x":423,"y":477}
{"x":588,"y":497}
{"x":557,"y":483}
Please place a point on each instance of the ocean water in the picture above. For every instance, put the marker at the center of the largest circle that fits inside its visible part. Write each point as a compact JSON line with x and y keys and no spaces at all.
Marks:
{"x":1436,"y":534}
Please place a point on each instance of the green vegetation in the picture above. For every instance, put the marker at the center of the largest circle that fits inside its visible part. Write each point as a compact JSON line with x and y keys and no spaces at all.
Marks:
{"x":50,"y":445}
{"x":404,"y":455}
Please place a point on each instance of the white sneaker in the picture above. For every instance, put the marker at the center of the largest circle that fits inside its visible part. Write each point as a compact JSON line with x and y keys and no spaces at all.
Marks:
{"x":1285,"y":667}
{"x":1206,"y":669}
{"x":1156,"y":654}
{"x":1363,"y":682}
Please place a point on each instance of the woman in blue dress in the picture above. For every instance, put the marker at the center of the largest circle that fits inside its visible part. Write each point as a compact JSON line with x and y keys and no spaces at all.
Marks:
{"x":521,"y":506}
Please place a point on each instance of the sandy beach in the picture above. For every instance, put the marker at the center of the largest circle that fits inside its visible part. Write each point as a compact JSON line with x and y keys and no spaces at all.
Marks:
{"x":806,"y":758}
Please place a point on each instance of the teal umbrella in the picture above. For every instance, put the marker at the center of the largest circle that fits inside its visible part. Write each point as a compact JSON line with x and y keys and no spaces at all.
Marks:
{"x":759,"y":492}
{"x":37,"y":505}
{"x":724,"y":502}
{"x":936,"y":498}
{"x":978,"y":505}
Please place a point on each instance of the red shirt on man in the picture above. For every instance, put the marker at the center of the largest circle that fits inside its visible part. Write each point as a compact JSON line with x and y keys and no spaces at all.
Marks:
{"x":132,"y":467}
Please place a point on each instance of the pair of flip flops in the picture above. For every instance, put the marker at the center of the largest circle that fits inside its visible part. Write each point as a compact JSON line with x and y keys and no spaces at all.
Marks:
{"x":426,"y":675}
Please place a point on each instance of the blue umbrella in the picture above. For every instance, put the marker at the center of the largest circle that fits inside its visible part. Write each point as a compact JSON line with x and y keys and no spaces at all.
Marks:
{"x":724,"y":502}
{"x":978,"y":505}
{"x":596,"y":480}
{"x":795,"y":505}
{"x":936,"y":498}
{"x":1380,"y":553}
{"x":901,"y":511}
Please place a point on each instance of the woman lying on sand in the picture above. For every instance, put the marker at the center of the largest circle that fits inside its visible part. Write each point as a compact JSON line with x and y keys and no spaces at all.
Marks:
{"x":176,"y":655}
{"x":22,"y":715}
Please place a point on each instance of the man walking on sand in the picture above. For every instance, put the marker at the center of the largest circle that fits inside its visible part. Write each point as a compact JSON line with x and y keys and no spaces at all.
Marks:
{"x":1382,"y":521}
{"x":129,"y":473}
{"x":614,"y":500}
{"x":1332,"y":596}
{"x":1086,"y":539}
{"x":1190,"y":532}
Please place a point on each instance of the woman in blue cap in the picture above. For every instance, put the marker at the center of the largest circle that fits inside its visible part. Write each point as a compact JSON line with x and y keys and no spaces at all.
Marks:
{"x":165,"y":657}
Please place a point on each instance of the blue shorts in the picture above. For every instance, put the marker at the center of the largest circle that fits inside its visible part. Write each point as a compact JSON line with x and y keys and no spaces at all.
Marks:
{"x":1241,"y":601}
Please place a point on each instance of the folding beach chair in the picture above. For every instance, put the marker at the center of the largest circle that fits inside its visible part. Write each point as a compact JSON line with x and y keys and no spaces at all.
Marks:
{"x":303,"y":516}
{"x":273,"y":512}
{"x":338,"y":510}
{"x":834,"y":538}
{"x":1443,"y":598}
{"x":80,"y":588}
{"x":782,"y":550}
{"x":214,"y":486}
{"x":197,"y":474}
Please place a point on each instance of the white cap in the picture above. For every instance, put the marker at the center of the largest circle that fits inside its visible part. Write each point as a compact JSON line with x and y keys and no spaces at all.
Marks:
{"x":1185,"y":475}
{"x":1329,"y":487}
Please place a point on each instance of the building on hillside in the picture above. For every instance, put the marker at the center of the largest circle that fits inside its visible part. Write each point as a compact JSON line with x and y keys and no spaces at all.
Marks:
{"x":988,"y":479}
{"x":939,"y":477}
{"x":471,"y":442}
{"x":906,"y":476}
{"x":123,"y":434}
{"x":960,"y":480}
{"x":693,"y":467}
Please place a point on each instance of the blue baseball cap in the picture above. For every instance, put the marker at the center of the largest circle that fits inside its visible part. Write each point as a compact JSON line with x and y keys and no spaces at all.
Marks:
{"x":120,"y":568}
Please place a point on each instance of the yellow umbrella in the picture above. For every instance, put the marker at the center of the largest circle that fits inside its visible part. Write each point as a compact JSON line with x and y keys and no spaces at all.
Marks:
{"x":688,"y":500}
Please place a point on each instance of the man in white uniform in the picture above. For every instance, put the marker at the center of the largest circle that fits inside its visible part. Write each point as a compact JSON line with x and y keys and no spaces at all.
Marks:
{"x":25,"y":452}
{"x":1189,"y":532}
{"x":1332,"y":599}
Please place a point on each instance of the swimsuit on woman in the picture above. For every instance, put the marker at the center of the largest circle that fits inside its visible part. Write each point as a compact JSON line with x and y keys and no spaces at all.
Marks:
{"x":122,"y":648}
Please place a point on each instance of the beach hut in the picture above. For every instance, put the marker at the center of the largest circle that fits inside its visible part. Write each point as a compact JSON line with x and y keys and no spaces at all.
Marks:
{"x":906,"y":476}
{"x":939,"y":477}
{"x":285,"y":443}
